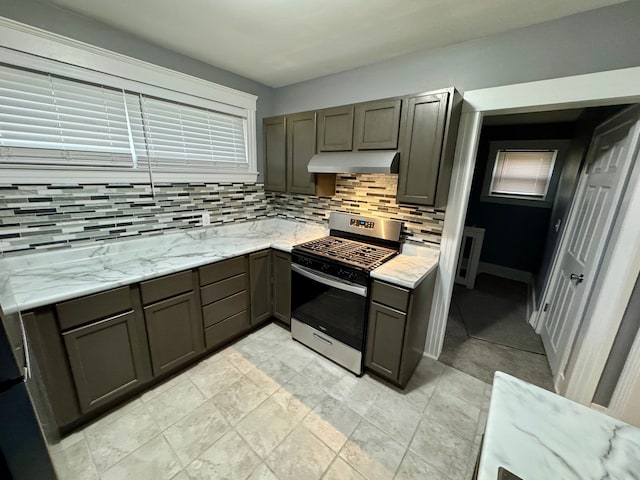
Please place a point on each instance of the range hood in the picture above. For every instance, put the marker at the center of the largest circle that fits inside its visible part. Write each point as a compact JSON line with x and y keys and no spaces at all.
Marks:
{"x":354,"y":162}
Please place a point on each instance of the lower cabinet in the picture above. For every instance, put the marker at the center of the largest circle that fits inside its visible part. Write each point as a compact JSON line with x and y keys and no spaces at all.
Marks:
{"x":97,"y":349}
{"x":107,"y":359}
{"x":260,"y":282}
{"x":225,"y":303}
{"x":384,"y":340}
{"x":175,"y":332}
{"x":397,"y":329}
{"x":281,"y":265}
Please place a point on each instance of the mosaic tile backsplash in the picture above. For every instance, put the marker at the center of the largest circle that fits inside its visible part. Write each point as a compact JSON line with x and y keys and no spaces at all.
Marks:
{"x":54,"y":216}
{"x":50,"y":216}
{"x":364,"y":194}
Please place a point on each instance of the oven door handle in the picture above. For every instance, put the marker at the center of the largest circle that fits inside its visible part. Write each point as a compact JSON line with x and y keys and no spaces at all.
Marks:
{"x":329,"y":281}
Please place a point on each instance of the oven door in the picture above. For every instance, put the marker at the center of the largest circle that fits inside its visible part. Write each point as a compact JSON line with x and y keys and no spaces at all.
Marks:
{"x":330,"y":305}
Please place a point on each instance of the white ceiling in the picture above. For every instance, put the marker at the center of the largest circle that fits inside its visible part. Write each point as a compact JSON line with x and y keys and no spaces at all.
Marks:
{"x":280,"y":42}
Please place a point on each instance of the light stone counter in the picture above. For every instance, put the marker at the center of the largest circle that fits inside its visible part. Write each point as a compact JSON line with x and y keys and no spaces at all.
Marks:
{"x":409,"y":268}
{"x":44,"y":278}
{"x":536,"y":434}
{"x":33,"y":280}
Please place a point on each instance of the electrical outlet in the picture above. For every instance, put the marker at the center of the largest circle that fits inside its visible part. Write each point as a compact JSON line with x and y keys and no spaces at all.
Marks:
{"x":206,"y":218}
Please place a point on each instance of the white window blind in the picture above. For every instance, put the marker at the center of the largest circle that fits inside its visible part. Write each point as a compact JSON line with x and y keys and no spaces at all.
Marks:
{"x":51,"y":120}
{"x":54,"y":121}
{"x":183,"y":136}
{"x":522,"y":173}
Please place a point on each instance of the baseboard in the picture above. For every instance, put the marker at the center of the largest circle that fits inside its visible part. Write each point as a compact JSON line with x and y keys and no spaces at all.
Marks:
{"x":506,"y":272}
{"x":428,"y":355}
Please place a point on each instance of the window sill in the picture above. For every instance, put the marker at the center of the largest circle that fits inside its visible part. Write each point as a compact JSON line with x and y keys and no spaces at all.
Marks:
{"x":521,"y":202}
{"x":101,"y":176}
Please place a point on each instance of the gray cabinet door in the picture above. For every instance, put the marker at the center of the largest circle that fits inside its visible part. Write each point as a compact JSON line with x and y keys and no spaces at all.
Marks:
{"x":335,"y":129}
{"x":422,"y":143}
{"x":385,"y":337}
{"x":260,"y":282}
{"x":275,"y":154}
{"x":301,"y":146}
{"x":377,"y":124}
{"x":107,"y":359}
{"x":175,"y":332}
{"x":281,"y":264}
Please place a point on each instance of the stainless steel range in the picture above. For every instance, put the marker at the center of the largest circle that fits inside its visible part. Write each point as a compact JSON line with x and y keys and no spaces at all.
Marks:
{"x":330,"y":285}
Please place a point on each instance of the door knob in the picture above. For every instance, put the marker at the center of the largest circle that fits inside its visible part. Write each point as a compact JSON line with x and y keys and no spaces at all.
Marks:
{"x":577,"y":278}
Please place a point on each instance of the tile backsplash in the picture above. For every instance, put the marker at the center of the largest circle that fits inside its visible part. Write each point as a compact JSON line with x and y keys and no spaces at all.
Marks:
{"x":54,"y":216}
{"x":50,"y":216}
{"x":365,"y":194}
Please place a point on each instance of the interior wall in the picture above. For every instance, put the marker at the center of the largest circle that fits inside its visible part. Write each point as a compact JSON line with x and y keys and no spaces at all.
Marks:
{"x":515,"y":235}
{"x":72,"y":25}
{"x":598,"y":40}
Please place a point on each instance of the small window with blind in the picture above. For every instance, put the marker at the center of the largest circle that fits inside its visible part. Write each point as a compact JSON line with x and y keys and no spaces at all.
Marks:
{"x":523,"y":172}
{"x":53,"y":122}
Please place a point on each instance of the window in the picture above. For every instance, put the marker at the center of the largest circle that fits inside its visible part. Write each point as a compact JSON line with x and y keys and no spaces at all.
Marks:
{"x":65,"y":123}
{"x":49,"y":120}
{"x":523,"y":172}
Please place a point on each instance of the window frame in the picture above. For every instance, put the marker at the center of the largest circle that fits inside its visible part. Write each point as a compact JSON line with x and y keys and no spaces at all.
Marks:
{"x":28,"y":47}
{"x":559,"y":146}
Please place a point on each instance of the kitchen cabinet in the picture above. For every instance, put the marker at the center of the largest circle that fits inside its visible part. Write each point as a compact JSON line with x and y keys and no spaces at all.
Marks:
{"x":397,"y":329}
{"x":275,"y":154}
{"x":281,"y":265}
{"x":107,"y":359}
{"x":377,"y":124}
{"x":173,"y":320}
{"x":105,"y":341}
{"x":301,"y":146}
{"x":260,"y":286}
{"x":225,"y":303}
{"x":384,"y":340}
{"x":335,"y":129}
{"x":428,"y":135}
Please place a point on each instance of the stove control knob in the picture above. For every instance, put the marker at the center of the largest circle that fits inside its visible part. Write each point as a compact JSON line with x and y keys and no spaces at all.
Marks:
{"x":324,"y":268}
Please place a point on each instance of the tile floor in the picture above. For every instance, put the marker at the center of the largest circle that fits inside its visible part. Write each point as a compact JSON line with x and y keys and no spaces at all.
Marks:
{"x":267,"y":408}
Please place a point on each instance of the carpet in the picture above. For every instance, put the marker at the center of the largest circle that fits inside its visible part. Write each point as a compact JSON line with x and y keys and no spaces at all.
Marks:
{"x":496,"y":311}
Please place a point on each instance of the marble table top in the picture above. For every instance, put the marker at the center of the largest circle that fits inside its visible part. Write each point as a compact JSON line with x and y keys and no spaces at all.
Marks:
{"x":536,"y":434}
{"x":38,"y":279}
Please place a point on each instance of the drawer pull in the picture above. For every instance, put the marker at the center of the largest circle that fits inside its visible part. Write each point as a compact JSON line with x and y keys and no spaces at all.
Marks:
{"x":322,"y":339}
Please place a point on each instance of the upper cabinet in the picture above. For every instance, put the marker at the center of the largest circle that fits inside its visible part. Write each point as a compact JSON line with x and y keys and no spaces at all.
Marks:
{"x":377,"y":124}
{"x":335,"y":129}
{"x":428,"y":135}
{"x":275,"y":154}
{"x":301,"y":146}
{"x":423,"y":127}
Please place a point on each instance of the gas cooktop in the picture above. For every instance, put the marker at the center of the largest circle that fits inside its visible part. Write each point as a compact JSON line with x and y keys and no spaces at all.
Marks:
{"x":352,"y":252}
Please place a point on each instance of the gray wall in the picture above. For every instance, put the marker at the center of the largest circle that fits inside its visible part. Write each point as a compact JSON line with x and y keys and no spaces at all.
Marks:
{"x":69,"y":24}
{"x":603,"y":39}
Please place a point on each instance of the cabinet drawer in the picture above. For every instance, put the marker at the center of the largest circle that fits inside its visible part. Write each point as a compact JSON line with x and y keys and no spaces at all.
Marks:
{"x":221,"y":270}
{"x":225,"y":330}
{"x":223,"y":288}
{"x":165,"y":287}
{"x":93,"y":307}
{"x":390,"y":295}
{"x":218,"y":311}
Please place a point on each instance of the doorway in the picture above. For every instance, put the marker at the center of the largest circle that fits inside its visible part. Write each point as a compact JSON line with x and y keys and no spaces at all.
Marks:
{"x":525,"y":178}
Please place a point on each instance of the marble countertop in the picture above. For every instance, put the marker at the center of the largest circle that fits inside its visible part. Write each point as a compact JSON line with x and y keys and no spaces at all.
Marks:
{"x":537,"y":434}
{"x":409,"y":268}
{"x":38,"y":279}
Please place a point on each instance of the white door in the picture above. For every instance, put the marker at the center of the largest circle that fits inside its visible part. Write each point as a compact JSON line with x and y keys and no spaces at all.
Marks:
{"x":613,"y":149}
